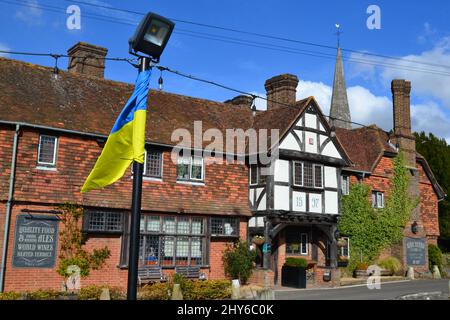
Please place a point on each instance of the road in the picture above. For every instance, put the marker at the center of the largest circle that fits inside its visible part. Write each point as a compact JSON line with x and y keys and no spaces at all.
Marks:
{"x":388,"y":291}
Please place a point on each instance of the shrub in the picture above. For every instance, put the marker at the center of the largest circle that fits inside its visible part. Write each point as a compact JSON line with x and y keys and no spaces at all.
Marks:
{"x":296,"y":262}
{"x":93,"y":292}
{"x":11,"y":295}
{"x":362,"y":266}
{"x":391,"y":263}
{"x":208,"y":290}
{"x":155,"y":291}
{"x":238,"y":261}
{"x":42,"y":294}
{"x":434,"y":257}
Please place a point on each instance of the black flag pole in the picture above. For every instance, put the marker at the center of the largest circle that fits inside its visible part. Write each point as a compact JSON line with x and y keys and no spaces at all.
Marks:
{"x":138,"y":169}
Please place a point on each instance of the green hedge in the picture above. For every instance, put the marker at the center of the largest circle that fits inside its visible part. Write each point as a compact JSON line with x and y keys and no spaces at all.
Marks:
{"x":434,"y":257}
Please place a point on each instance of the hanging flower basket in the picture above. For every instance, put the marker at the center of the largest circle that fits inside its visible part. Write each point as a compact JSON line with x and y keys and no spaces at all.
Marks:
{"x":341,"y":243}
{"x":258,"y":240}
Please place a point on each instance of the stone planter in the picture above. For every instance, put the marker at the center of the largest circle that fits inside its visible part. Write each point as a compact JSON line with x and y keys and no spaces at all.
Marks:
{"x":361,"y":274}
{"x":294,"y":277}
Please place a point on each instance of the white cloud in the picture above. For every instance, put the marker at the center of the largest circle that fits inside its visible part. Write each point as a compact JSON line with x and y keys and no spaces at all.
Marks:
{"x":4,"y":47}
{"x":426,"y":78}
{"x":31,"y":13}
{"x":368,"y":108}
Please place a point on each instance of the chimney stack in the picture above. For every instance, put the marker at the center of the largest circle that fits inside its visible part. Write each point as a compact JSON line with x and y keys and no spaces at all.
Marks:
{"x":85,"y":58}
{"x":283,"y":89}
{"x":241,"y":100}
{"x":402,"y":135}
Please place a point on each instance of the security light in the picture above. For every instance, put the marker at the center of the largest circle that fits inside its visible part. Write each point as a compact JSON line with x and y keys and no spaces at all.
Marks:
{"x":151,"y":36}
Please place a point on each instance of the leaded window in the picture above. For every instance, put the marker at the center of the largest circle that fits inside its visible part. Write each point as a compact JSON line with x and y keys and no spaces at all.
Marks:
{"x":308,"y":175}
{"x":47,"y":150}
{"x":171,"y":241}
{"x":153,"y":164}
{"x":345,"y":185}
{"x":103,"y":221}
{"x":298,"y":173}
{"x":225,"y":226}
{"x":318,"y":177}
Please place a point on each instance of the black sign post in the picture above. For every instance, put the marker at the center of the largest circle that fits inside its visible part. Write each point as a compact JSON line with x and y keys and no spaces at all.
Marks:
{"x":35,"y":241}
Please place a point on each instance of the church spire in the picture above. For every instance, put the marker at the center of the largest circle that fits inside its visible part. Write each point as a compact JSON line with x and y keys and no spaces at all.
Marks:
{"x":340,"y":111}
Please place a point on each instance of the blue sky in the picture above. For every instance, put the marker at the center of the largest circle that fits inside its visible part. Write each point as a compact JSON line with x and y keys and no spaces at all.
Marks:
{"x":409,"y":29}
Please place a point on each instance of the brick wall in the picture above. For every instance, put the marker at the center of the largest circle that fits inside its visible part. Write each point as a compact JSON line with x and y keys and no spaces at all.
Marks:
{"x":225,"y":189}
{"x":29,"y":279}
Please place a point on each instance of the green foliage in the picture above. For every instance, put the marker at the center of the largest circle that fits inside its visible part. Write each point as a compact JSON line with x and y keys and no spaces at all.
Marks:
{"x":42,"y":294}
{"x":208,"y":290}
{"x":238,"y":261}
{"x":296,"y":262}
{"x":361,"y":266}
{"x":372,"y":230}
{"x":437,"y":153}
{"x":93,"y":292}
{"x":155,"y":291}
{"x":435,"y":257}
{"x":391,"y":263}
{"x":11,"y":295}
{"x":72,"y":251}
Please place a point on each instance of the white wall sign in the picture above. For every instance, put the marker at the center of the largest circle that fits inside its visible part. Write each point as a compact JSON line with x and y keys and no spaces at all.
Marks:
{"x":315,"y":203}
{"x":299,"y":201}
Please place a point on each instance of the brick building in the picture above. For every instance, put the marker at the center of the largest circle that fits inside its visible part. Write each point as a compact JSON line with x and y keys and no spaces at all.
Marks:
{"x":52,"y":129}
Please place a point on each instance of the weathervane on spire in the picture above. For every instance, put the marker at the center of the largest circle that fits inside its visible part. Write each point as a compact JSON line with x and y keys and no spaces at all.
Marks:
{"x":338,"y":33}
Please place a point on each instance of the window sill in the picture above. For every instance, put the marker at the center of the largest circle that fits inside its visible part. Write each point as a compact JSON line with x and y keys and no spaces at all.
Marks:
{"x":192,"y":183}
{"x":46,"y":168}
{"x":151,"y":179}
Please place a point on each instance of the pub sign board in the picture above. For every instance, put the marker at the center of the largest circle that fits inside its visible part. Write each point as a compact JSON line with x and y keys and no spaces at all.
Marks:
{"x":35,"y":241}
{"x":415,"y":251}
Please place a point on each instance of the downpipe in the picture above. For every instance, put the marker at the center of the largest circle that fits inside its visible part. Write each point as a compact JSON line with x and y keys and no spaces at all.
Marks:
{"x":9,"y":208}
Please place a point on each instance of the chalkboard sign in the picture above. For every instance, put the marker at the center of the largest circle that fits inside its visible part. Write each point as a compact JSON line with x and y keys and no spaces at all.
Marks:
{"x":35,"y":241}
{"x":415,"y":251}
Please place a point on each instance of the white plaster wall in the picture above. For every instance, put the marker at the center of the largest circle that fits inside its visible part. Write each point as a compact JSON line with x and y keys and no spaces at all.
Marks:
{"x":281,"y":198}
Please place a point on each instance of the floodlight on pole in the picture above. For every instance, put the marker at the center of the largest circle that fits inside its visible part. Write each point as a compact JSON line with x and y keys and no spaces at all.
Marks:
{"x":148,"y":43}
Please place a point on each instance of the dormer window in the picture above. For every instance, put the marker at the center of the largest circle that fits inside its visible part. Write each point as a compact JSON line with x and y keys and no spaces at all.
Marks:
{"x":47,"y":150}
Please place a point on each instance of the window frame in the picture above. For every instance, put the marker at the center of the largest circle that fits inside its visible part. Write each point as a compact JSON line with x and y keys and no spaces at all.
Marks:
{"x":314,"y":176}
{"x":303,"y":173}
{"x":375,"y":202}
{"x":161,"y":165}
{"x":224,"y":220}
{"x":345,"y":180}
{"x":190,"y":165}
{"x":253,"y":167}
{"x":49,"y":164}
{"x":86,"y":222}
{"x":301,"y":237}
{"x":341,"y":249}
{"x":314,"y":166}
{"x":161,"y":235}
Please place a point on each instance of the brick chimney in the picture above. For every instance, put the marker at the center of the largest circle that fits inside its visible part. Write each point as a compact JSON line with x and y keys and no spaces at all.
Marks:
{"x":85,"y":58}
{"x":402,"y":136}
{"x":283,"y":89}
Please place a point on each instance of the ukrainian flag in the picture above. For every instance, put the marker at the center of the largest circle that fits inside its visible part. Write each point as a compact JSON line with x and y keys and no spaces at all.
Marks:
{"x":126,"y":142}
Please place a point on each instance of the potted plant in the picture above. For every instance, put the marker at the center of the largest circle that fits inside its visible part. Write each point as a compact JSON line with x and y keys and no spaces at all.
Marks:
{"x":293,"y":273}
{"x":258,"y":240}
{"x":361,"y":270}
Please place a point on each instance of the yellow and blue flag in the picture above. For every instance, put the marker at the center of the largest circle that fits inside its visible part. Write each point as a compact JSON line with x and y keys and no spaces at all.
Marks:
{"x":126,"y":142}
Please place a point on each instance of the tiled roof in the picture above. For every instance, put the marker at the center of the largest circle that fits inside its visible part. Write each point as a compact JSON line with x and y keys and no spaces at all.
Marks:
{"x":364,"y":146}
{"x":30,"y":94}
